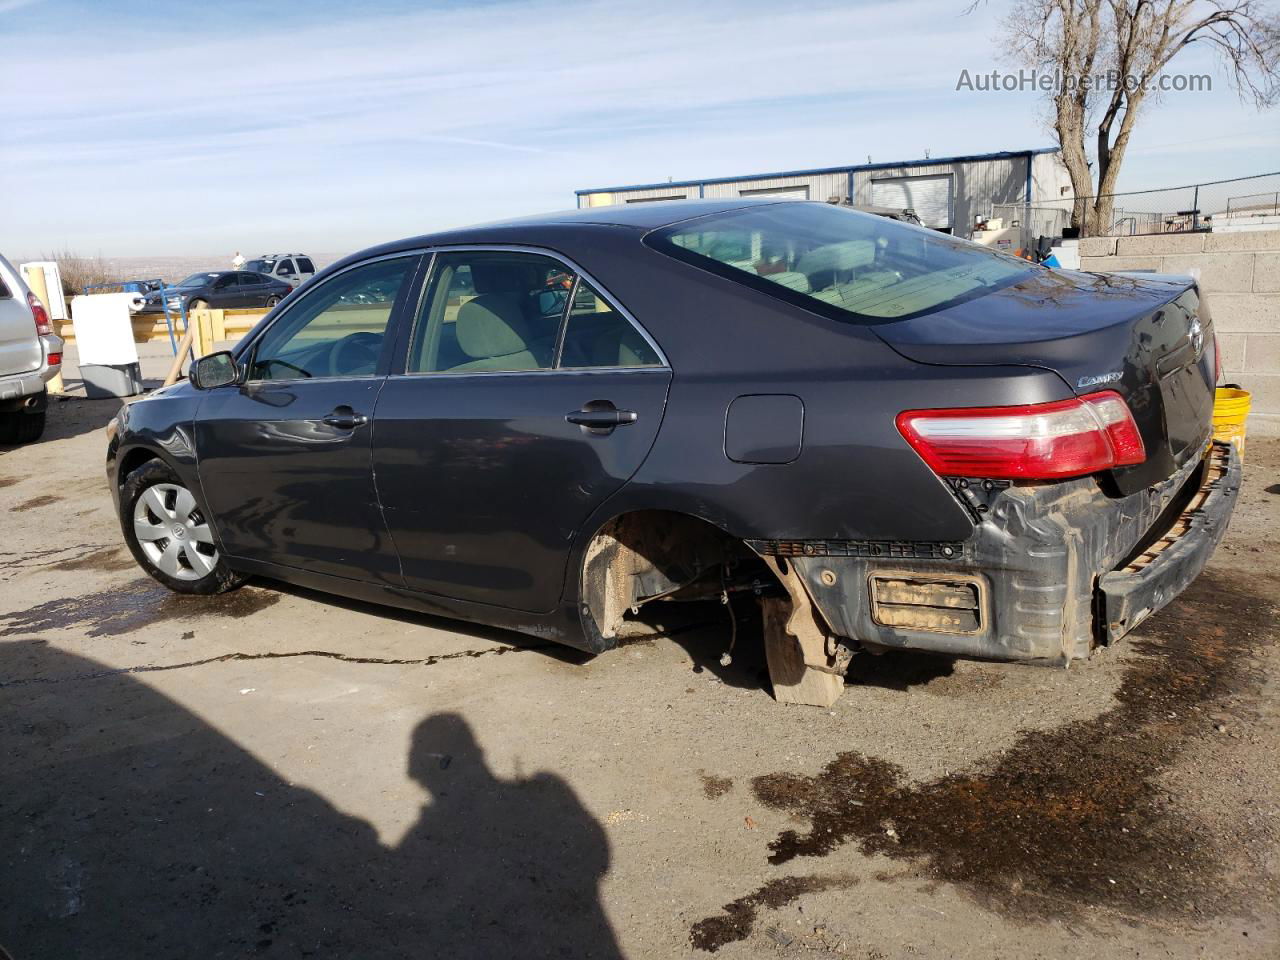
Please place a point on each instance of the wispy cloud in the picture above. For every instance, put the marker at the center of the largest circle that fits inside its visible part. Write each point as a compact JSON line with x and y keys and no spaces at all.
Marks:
{"x":12,"y":6}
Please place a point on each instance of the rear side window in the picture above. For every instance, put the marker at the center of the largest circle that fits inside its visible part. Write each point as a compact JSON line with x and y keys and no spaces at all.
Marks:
{"x":4,"y":291}
{"x":305,"y":265}
{"x":846,"y":265}
{"x":597,"y":335}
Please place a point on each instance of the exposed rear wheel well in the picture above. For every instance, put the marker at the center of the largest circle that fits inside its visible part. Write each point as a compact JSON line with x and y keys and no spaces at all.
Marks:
{"x":649,"y":555}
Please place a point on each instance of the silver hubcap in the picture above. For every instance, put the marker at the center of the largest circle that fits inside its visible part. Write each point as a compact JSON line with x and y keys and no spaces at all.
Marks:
{"x":173,"y":533}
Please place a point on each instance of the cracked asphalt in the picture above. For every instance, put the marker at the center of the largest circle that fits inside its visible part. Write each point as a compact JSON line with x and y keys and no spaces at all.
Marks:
{"x":277,"y":773}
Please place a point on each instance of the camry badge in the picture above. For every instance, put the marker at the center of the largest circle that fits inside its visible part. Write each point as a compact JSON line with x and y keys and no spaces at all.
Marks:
{"x":1100,"y":378}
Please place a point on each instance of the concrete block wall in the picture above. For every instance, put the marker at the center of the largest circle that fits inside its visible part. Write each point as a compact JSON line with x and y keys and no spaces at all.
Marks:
{"x":1240,"y":278}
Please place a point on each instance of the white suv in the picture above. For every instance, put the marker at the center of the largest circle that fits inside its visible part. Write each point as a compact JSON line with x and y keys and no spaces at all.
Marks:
{"x":292,"y":268}
{"x":30,"y":355}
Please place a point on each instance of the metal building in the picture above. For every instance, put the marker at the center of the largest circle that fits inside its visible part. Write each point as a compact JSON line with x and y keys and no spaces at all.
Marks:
{"x":947,"y":193}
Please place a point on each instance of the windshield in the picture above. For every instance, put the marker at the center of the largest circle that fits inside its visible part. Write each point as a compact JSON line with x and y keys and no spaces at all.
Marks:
{"x":197,"y":280}
{"x":260,"y":266}
{"x":843,"y":264}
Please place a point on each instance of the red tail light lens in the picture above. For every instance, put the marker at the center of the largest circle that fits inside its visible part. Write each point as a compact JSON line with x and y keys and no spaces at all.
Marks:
{"x":55,"y":359}
{"x":43,"y":327}
{"x":1042,"y":441}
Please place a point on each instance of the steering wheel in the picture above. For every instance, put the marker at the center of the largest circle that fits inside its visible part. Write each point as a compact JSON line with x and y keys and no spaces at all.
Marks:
{"x":354,"y":352}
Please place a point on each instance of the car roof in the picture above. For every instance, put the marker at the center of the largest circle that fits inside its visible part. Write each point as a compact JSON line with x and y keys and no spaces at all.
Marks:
{"x":638,"y":216}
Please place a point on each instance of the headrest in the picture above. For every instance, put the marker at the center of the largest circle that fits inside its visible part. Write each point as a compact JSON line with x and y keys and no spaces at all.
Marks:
{"x":839,"y":257}
{"x":492,"y":325}
{"x":510,"y":276}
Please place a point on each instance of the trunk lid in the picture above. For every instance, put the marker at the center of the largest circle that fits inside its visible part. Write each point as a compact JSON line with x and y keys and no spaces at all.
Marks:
{"x":1150,"y":339}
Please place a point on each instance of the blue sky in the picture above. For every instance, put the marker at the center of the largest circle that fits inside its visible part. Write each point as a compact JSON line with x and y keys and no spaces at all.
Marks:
{"x":227,"y":125}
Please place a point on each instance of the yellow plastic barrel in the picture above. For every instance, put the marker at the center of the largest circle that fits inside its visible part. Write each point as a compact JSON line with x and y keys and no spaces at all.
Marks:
{"x":1230,"y":409}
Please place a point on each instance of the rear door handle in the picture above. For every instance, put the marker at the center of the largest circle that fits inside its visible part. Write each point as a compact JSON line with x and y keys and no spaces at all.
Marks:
{"x":344,"y":418}
{"x":602,"y":419}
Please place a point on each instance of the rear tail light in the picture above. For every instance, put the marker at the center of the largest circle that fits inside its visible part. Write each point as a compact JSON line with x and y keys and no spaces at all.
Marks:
{"x":43,"y":327}
{"x":1042,"y":441}
{"x":55,"y":359}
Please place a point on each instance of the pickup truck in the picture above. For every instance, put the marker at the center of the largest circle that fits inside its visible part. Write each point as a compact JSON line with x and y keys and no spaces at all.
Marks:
{"x":30,"y":356}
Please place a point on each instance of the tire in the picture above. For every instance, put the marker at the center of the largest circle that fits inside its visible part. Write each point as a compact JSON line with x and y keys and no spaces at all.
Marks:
{"x":169,"y":534}
{"x":272,"y":301}
{"x":18,"y":428}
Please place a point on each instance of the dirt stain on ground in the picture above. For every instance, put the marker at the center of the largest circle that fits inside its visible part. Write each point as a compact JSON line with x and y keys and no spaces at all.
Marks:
{"x":8,"y":481}
{"x":142,"y":603}
{"x":1066,"y":819}
{"x":740,"y":916}
{"x":714,"y":787}
{"x":35,"y":502}
{"x":107,"y":559}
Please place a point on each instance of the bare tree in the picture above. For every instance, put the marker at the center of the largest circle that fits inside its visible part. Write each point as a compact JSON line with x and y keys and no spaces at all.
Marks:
{"x":1109,"y":56}
{"x":77,"y":271}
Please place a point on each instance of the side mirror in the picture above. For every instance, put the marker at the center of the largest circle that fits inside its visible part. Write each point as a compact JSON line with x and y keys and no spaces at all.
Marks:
{"x":215,"y":370}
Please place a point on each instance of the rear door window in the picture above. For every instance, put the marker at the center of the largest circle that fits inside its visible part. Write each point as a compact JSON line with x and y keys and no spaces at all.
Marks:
{"x":285,"y":269}
{"x":846,"y":265}
{"x":489,"y":310}
{"x":597,"y":335}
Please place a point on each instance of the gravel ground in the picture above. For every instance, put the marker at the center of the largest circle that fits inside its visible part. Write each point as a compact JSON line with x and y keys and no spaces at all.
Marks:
{"x":278,"y":773}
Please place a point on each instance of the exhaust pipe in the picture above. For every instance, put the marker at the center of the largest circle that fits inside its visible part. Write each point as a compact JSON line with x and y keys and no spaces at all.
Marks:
{"x":31,"y":401}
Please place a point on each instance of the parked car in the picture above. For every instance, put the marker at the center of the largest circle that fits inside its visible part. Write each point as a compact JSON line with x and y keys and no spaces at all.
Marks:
{"x":30,"y":356}
{"x":292,"y":268}
{"x":218,"y":290}
{"x":898,"y":438}
{"x":126,"y":286}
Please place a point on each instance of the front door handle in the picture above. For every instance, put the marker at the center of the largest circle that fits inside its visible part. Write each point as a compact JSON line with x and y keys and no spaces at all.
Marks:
{"x":344,"y":418}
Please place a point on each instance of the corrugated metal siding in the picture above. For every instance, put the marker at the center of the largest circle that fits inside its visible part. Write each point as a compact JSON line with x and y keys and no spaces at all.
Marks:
{"x":1048,"y":177}
{"x":977,"y":185}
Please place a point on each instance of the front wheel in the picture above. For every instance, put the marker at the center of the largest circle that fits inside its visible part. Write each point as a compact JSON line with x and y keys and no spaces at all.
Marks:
{"x":169,"y":534}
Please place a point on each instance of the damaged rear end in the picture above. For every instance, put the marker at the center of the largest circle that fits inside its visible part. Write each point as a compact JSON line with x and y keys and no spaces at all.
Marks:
{"x":1089,"y":513}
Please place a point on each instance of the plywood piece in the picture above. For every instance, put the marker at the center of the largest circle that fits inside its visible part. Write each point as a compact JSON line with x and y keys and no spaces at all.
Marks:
{"x":793,"y":680}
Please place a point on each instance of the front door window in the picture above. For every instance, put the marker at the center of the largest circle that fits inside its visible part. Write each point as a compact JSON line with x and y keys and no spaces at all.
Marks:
{"x":336,"y":330}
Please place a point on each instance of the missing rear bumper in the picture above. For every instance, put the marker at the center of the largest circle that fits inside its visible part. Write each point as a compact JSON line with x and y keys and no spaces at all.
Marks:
{"x":1034,"y":582}
{"x":1166,"y":566}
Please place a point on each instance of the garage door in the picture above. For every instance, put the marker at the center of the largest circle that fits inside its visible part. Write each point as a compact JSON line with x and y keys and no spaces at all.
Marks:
{"x":929,"y":197}
{"x":780,"y":193}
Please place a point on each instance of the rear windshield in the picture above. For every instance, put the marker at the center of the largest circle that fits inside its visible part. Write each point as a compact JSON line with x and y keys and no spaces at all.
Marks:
{"x":847,"y":265}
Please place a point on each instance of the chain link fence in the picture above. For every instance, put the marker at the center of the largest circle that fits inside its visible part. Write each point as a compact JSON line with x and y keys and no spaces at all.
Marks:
{"x":1238,"y":204}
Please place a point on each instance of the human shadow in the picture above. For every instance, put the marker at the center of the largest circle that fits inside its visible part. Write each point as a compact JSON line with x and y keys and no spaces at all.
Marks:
{"x":130,"y":827}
